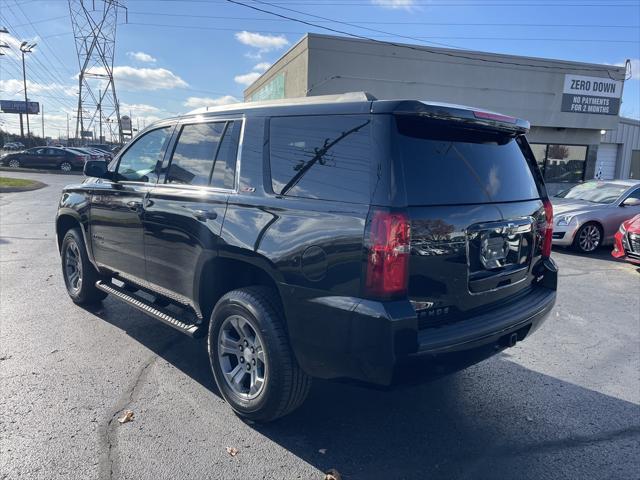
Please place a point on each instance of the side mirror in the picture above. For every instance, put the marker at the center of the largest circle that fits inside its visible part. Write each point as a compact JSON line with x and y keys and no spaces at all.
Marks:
{"x":631,"y":202}
{"x":97,"y":168}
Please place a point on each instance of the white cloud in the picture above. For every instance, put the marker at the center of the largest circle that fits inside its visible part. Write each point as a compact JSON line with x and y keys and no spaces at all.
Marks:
{"x":195,"y":102}
{"x":247,"y":78}
{"x":131,"y":78}
{"x":14,"y":88}
{"x":264,"y":43}
{"x":138,"y":108}
{"x":261,"y":67}
{"x":141,"y":57}
{"x":395,"y":4}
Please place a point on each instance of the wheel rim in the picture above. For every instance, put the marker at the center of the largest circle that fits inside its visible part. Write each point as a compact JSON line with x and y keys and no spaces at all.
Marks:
{"x":589,"y":238}
{"x":65,"y":167}
{"x":73,"y":267}
{"x":14,"y":163}
{"x":241,"y":357}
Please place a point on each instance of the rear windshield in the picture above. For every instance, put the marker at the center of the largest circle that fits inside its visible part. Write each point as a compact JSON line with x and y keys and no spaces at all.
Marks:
{"x":446,"y":165}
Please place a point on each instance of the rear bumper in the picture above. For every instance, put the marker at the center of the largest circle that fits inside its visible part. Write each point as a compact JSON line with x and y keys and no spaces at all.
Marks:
{"x":368,"y":341}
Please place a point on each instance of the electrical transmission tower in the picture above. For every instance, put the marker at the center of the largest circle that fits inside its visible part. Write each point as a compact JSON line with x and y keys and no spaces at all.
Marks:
{"x":94,"y":28}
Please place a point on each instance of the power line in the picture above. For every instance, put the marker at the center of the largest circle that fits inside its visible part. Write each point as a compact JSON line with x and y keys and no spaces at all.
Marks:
{"x":392,"y":35}
{"x":419,"y":48}
{"x":451,"y":24}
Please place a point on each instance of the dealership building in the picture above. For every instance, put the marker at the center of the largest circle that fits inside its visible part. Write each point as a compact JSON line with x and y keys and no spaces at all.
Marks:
{"x":576,"y":131}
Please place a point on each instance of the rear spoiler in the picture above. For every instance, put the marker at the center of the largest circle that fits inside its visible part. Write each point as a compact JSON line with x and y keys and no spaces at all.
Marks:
{"x":464,"y":116}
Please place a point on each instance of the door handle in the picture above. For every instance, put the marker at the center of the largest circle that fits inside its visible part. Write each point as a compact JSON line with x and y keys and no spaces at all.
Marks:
{"x":204,"y":215}
{"x":133,"y":205}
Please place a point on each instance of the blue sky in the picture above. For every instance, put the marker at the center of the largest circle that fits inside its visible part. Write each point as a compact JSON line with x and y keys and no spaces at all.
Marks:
{"x":174,"y":55}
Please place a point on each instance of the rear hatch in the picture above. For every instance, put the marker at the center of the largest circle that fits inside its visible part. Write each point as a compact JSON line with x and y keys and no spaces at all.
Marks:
{"x":474,"y":202}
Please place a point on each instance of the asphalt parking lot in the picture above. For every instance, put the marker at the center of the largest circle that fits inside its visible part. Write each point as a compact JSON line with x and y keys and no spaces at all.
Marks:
{"x":563,"y":404}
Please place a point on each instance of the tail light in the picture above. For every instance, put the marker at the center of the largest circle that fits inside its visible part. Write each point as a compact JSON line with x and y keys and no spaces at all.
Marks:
{"x":548,"y":231}
{"x":387,"y":265}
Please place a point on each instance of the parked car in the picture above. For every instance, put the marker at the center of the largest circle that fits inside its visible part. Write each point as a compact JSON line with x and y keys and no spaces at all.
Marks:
{"x":100,"y":146}
{"x":92,"y":153}
{"x":327,"y":237}
{"x":61,"y":158}
{"x":627,"y":241}
{"x":589,"y":214}
{"x":13,"y":146}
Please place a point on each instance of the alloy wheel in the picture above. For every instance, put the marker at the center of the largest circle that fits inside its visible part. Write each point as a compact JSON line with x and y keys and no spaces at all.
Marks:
{"x":14,"y":163}
{"x":241,"y":357}
{"x":73,"y":267}
{"x":65,"y":167}
{"x":589,"y":238}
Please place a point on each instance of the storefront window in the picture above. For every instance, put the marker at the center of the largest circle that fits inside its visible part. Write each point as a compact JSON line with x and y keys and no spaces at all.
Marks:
{"x":561,"y":163}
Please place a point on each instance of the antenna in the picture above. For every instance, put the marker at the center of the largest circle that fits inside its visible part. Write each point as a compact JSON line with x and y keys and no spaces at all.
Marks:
{"x":94,"y":28}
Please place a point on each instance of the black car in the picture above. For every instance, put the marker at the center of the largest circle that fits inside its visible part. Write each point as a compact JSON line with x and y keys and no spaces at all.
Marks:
{"x":326,"y":237}
{"x":51,"y":157}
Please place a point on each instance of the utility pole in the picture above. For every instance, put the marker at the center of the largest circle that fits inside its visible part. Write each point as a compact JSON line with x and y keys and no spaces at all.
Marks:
{"x":26,"y":47}
{"x":67,"y":129}
{"x":100,"y":114}
{"x":42,"y":118}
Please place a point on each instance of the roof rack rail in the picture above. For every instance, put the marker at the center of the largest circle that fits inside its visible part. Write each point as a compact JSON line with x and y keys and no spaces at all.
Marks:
{"x":338,"y":98}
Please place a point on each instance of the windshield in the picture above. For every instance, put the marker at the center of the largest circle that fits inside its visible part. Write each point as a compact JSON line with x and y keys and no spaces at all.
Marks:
{"x":594,"y":192}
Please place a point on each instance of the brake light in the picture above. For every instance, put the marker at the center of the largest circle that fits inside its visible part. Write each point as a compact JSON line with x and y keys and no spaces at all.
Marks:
{"x":548,"y":231}
{"x":387,"y":267}
{"x":494,"y":116}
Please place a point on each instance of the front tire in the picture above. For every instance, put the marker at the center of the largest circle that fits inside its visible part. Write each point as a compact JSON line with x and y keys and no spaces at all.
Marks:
{"x":588,"y":238}
{"x":66,"y":167}
{"x":252,"y":362}
{"x":14,"y":163}
{"x":80,"y":276}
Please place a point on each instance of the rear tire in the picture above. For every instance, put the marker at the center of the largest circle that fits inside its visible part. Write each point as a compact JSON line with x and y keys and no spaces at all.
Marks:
{"x":588,"y":238}
{"x":241,"y":320}
{"x":14,"y":163}
{"x":66,"y":167}
{"x":80,"y":276}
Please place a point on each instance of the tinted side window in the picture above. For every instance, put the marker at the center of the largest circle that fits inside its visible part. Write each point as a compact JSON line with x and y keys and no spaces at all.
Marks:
{"x":444,"y":164}
{"x":224,"y":170}
{"x":139,"y":161}
{"x":325,"y":157}
{"x":195,"y":152}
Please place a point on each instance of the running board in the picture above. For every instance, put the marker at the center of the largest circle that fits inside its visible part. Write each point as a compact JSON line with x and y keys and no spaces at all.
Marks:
{"x":191,"y":329}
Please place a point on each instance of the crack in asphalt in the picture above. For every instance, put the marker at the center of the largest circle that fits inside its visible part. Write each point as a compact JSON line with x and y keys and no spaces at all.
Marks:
{"x":107,"y":441}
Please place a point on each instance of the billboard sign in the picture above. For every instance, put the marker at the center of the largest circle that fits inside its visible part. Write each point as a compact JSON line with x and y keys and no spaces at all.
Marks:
{"x":18,"y":106}
{"x":86,"y":134}
{"x":595,"y":95}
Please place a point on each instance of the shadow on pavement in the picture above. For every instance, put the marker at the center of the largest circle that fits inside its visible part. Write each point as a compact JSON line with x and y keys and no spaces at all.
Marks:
{"x":493,"y":420}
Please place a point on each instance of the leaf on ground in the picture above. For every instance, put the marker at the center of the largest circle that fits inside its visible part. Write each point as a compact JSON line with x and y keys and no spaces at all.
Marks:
{"x":332,"y":474}
{"x":233,"y":451}
{"x":322,"y":451}
{"x":127,"y":416}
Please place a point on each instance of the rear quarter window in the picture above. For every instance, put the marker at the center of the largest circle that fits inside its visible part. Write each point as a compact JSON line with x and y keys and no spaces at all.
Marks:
{"x":323,"y":157}
{"x":448,"y":165}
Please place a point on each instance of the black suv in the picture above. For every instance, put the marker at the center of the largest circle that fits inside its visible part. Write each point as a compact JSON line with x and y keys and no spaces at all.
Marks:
{"x":322,"y":237}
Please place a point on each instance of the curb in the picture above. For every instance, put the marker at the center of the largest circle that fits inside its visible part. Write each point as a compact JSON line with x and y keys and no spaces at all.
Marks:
{"x":36,"y":186}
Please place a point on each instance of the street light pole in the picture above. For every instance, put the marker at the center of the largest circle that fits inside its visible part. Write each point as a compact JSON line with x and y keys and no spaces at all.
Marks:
{"x":26,"y":47}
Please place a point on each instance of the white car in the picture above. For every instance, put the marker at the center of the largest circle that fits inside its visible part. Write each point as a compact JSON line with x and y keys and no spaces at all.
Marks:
{"x":589,"y":214}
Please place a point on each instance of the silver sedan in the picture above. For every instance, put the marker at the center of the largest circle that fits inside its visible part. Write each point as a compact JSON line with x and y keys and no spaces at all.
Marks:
{"x":588,"y":215}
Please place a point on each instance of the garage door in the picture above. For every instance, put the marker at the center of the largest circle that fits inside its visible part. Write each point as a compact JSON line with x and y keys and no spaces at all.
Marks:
{"x":607,"y":156}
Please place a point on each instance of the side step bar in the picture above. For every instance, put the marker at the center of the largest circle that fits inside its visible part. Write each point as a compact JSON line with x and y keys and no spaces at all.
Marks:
{"x":191,"y":329}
